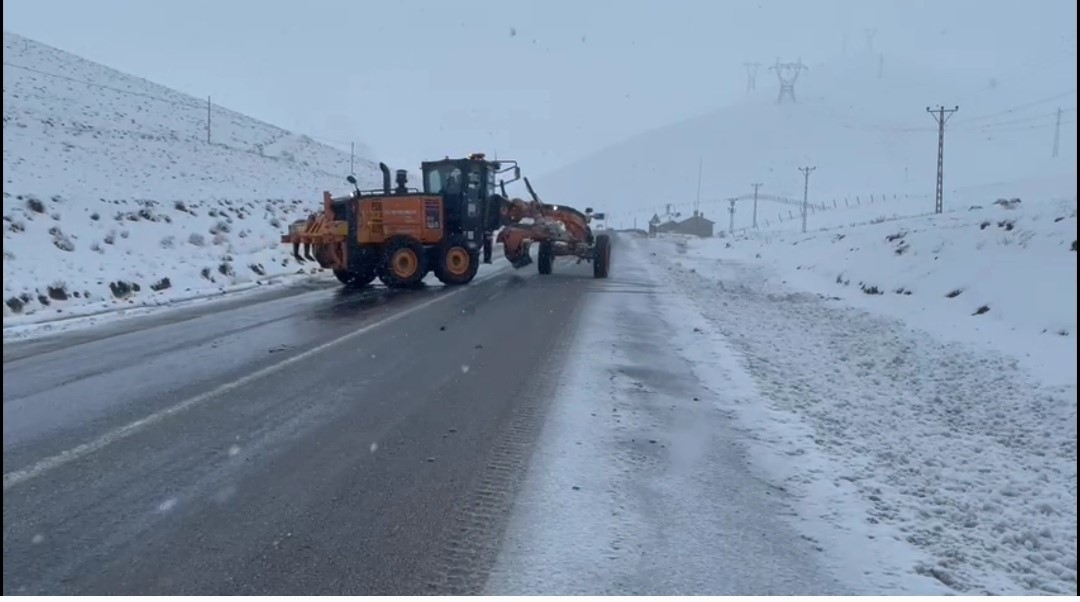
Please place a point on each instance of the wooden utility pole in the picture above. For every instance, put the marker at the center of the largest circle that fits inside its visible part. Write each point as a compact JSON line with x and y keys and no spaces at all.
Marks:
{"x":756,"y":185}
{"x":1057,"y":134}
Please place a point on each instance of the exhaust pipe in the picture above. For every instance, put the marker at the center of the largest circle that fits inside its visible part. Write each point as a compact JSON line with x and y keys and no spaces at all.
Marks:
{"x":385,"y":177}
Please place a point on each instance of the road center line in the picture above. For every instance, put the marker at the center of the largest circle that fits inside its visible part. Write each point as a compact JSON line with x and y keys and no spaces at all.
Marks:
{"x":41,"y":467}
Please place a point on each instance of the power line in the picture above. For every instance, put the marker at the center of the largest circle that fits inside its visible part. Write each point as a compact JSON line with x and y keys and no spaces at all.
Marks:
{"x":192,"y":104}
{"x":1014,"y":109}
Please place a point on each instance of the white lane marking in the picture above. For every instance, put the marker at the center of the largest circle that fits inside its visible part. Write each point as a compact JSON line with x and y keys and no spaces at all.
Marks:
{"x":42,"y":466}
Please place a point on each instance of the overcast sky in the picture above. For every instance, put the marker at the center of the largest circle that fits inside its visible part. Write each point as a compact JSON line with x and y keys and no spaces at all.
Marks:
{"x":544,"y":81}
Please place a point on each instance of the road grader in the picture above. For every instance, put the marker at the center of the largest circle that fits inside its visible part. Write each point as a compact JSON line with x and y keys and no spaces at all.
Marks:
{"x":399,"y":234}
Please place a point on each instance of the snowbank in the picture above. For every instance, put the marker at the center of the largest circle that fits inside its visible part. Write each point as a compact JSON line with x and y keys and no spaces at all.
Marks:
{"x":920,"y":434}
{"x":114,"y":198}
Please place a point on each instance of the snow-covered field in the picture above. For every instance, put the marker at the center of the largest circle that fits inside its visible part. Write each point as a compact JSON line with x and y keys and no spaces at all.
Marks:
{"x":113,"y":197}
{"x":915,"y":445}
{"x":1017,"y":266}
{"x":898,"y":409}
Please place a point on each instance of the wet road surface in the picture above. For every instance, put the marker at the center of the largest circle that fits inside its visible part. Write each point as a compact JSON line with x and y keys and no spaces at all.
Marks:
{"x":326,"y":442}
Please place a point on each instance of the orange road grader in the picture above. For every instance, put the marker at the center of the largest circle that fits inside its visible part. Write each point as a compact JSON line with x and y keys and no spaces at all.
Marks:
{"x":399,"y":234}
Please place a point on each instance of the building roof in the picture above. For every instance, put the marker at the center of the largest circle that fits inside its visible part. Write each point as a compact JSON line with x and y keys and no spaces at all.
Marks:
{"x":697,"y":218}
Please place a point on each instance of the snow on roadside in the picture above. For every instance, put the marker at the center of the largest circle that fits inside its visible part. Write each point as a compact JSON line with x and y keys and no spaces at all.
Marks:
{"x":63,"y":258}
{"x":639,"y":483}
{"x":944,"y":459}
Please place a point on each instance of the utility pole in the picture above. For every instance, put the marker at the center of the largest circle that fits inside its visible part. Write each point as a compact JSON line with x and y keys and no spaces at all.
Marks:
{"x":787,"y":74}
{"x":208,"y":120}
{"x":751,"y":76}
{"x":352,"y":158}
{"x":1057,"y":133}
{"x":805,"y":192}
{"x":731,"y":217}
{"x":697,"y":199}
{"x":941,"y":115}
{"x":756,"y":185}
{"x":880,"y":66}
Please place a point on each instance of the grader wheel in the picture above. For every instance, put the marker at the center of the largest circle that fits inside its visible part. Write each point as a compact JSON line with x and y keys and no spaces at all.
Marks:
{"x":403,"y":262}
{"x":457,"y":264}
{"x":601,"y":256}
{"x":545,"y":257}
{"x":355,"y":278}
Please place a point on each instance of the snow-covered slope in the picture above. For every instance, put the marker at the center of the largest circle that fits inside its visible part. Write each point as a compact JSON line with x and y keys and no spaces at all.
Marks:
{"x":865,"y":135}
{"x":999,"y":276}
{"x":108,"y":178}
{"x":915,"y":386}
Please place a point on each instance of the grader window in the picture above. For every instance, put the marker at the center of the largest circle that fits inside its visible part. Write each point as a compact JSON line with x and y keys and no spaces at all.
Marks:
{"x":434,"y":183}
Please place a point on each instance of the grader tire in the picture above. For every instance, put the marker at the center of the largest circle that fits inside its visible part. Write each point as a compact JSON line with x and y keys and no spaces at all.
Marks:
{"x":356,"y":279}
{"x":456,"y":263}
{"x":601,"y":256}
{"x":404,"y":262}
{"x":545,"y":257}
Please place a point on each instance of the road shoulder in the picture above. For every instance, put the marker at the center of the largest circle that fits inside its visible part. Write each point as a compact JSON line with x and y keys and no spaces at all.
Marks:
{"x":639,"y":483}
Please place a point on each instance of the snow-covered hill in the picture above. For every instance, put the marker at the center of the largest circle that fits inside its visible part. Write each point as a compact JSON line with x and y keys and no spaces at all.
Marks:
{"x":864,"y":135}
{"x":111,"y":189}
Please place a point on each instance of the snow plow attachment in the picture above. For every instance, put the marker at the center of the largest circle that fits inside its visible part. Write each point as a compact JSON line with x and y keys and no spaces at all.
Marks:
{"x":321,"y":233}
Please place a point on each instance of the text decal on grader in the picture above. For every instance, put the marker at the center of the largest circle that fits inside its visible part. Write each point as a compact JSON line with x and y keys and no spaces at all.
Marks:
{"x":400,"y":234}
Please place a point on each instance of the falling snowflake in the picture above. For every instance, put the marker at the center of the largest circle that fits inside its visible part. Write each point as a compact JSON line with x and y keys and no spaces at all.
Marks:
{"x":464,"y":368}
{"x":374,"y":446}
{"x":234,"y":450}
{"x":167,"y":505}
{"x":37,"y":539}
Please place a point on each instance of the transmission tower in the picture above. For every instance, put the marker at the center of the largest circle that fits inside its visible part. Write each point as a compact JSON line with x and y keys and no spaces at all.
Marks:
{"x":940,"y":115}
{"x":751,"y":76}
{"x":787,"y":73}
{"x":805,"y":192}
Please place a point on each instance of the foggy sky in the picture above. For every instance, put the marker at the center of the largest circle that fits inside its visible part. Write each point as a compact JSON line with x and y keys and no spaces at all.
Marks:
{"x":543,"y":81}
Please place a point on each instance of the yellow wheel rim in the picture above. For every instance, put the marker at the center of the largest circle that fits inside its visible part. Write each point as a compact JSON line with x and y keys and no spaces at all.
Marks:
{"x":404,"y":263}
{"x":457,"y":261}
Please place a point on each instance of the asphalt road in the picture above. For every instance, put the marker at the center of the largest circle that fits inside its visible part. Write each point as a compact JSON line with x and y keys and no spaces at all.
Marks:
{"x":330,"y":442}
